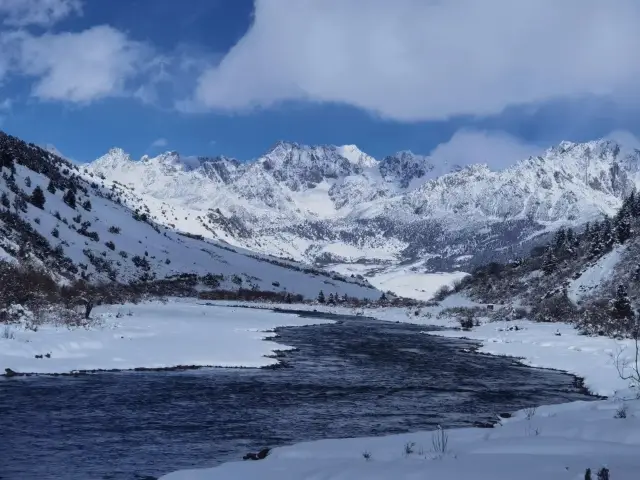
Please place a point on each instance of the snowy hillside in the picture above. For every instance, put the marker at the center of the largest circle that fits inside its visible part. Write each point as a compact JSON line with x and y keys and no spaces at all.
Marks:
{"x":589,"y":277}
{"x":75,"y":228}
{"x":322,"y":203}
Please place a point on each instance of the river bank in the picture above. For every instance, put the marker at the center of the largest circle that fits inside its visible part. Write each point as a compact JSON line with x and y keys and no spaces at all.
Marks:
{"x":554,"y":442}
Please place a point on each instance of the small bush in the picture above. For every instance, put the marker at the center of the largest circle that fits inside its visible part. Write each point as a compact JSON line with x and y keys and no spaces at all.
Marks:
{"x":443,"y":292}
{"x":409,"y":448}
{"x":110,"y":245}
{"x":466,"y":321}
{"x":366,"y":455}
{"x":557,"y":308}
{"x":115,"y":230}
{"x":519,"y":313}
{"x":621,"y":412}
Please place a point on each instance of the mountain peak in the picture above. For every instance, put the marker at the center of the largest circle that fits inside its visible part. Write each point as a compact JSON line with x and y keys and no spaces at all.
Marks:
{"x":113,"y":158}
{"x":356,"y":156}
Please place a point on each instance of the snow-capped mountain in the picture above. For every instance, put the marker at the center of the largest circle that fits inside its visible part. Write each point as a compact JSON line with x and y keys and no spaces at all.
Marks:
{"x":77,"y":227}
{"x":336,"y":204}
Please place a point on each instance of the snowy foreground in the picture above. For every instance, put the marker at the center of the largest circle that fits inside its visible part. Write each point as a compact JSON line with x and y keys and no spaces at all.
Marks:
{"x":550,"y":442}
{"x":150,"y":335}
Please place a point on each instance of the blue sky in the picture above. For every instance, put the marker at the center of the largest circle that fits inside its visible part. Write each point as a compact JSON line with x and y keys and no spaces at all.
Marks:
{"x":232,"y":77}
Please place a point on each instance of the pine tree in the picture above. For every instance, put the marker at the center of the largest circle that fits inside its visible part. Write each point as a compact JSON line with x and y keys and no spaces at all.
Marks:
{"x":345,"y":298}
{"x":331,"y":300}
{"x":621,"y":307}
{"x":288,"y":298}
{"x":623,"y":228}
{"x":51,"y":188}
{"x":606,"y":235}
{"x":321,"y":298}
{"x":70,"y":198}
{"x":37,"y":198}
{"x":603,"y":474}
{"x":86,"y":205}
{"x":383,"y":298}
{"x":595,"y":240}
{"x":4,"y":199}
{"x":571,"y":241}
{"x":560,"y":240}
{"x":594,"y":232}
{"x":27,"y":182}
{"x":627,"y":206}
{"x":635,"y":209}
{"x":6,"y":161}
{"x":550,"y":262}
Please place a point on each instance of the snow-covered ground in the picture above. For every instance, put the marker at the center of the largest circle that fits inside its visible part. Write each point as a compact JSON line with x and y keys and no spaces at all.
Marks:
{"x":594,"y":276}
{"x":550,"y":442}
{"x":405,"y":280}
{"x":555,"y":443}
{"x":154,"y":335}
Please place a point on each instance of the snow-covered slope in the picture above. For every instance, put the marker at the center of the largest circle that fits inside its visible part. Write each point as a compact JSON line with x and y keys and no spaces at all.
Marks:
{"x":100,"y":238}
{"x":310,"y":203}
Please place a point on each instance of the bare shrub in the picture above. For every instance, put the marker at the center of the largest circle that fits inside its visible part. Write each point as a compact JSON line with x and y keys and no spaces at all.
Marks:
{"x":530,"y":412}
{"x":443,"y":292}
{"x":25,"y":284}
{"x":557,"y":308}
{"x":596,"y":319}
{"x":621,"y":412}
{"x":466,"y":321}
{"x":366,"y":455}
{"x":629,"y":368}
{"x":440,"y":442}
{"x":519,"y":313}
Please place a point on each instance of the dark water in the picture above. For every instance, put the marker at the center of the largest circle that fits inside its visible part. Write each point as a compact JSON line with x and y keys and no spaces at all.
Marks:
{"x":356,"y":378}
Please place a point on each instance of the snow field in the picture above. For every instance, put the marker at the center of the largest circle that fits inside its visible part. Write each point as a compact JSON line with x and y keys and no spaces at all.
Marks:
{"x":155,"y":335}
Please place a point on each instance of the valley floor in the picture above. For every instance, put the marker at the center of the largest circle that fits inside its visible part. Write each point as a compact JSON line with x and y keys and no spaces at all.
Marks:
{"x":551,"y":442}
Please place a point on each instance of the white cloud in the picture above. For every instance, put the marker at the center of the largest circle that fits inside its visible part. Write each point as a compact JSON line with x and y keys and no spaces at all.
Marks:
{"x":497,"y":149}
{"x":20,"y":13}
{"x":417,"y":59}
{"x":77,"y":67}
{"x":6,"y":104}
{"x":159,"y":143}
{"x":625,"y":139}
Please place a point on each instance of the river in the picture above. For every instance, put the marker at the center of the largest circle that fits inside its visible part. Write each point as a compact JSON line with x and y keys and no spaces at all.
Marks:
{"x":357,"y":377}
